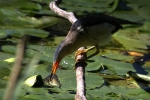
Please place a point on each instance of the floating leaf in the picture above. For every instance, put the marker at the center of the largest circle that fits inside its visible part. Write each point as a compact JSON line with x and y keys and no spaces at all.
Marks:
{"x":117,"y":66}
{"x":12,"y":13}
{"x":64,"y":96}
{"x":132,"y":42}
{"x":31,"y":32}
{"x":41,"y":22}
{"x":120,"y":93}
{"x":34,"y":91}
{"x":34,"y":81}
{"x":36,"y":97}
{"x":128,"y":15}
{"x":10,"y":60}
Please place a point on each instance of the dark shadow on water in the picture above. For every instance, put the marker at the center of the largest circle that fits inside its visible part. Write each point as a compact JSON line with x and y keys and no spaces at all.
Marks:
{"x":139,"y":69}
{"x":138,"y":64}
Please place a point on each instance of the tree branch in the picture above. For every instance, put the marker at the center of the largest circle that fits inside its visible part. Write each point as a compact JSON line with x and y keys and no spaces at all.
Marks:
{"x":80,"y":76}
{"x":68,"y":15}
{"x":80,"y":65}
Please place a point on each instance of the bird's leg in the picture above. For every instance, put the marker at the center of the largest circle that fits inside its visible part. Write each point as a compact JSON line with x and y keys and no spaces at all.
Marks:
{"x":86,"y":50}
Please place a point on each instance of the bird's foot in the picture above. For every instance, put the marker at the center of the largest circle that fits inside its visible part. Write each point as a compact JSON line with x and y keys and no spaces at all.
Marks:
{"x":80,"y":56}
{"x":80,"y":52}
{"x":83,"y":52}
{"x":52,"y":80}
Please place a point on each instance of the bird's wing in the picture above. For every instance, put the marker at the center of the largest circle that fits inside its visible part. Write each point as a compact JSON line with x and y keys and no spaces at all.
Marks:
{"x":88,"y":21}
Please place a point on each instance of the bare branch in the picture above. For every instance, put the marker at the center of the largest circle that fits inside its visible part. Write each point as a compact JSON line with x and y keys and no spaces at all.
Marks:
{"x":80,"y":65}
{"x":68,"y":15}
{"x":80,"y":76}
{"x":16,"y":69}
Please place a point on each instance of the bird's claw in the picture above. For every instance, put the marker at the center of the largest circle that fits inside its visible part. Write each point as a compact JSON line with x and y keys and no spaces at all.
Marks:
{"x":82,"y":52}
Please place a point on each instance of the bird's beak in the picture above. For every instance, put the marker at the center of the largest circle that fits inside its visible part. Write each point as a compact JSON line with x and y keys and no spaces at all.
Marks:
{"x":55,"y":66}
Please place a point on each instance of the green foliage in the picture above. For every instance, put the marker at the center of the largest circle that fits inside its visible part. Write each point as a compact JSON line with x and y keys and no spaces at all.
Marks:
{"x":35,"y":19}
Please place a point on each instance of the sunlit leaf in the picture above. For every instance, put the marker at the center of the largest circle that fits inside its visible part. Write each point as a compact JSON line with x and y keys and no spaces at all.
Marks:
{"x":10,"y":60}
{"x":34,"y":81}
{"x":132,"y":42}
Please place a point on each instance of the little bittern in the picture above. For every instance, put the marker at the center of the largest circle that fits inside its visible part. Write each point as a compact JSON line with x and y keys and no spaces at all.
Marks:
{"x":86,"y":31}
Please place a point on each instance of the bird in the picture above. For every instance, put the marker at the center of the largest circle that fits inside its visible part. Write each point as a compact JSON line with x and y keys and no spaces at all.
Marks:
{"x":86,"y":31}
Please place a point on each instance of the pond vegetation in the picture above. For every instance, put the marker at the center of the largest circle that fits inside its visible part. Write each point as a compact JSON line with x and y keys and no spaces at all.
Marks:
{"x":106,"y":77}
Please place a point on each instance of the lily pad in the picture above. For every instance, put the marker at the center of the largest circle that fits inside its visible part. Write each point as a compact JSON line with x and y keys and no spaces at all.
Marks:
{"x":36,"y":97}
{"x":34,"y":81}
{"x":120,"y":93}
